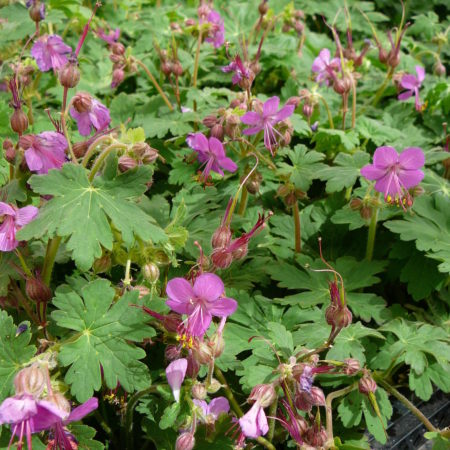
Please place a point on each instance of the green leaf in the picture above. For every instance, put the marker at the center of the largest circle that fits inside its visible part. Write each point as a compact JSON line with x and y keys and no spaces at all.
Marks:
{"x":103,"y":331}
{"x":373,"y":423}
{"x":79,"y":211}
{"x":376,"y":131}
{"x":15,"y":352}
{"x":281,"y":337}
{"x":170,"y":415}
{"x":345,"y":172}
{"x":335,"y":140}
{"x":84,"y":436}
{"x":349,"y":409}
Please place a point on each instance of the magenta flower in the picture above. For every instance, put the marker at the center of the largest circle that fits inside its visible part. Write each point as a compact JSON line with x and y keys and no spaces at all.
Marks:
{"x":254,"y":422}
{"x":412,"y":85}
{"x":44,"y":151}
{"x":394,"y":173}
{"x":210,"y":413}
{"x":200,"y":302}
{"x":211,"y":153}
{"x":324,"y":68}
{"x":95,"y":115}
{"x":266,"y":120}
{"x":240,"y":71}
{"x":111,"y":38}
{"x":50,"y":52}
{"x":26,"y":414}
{"x":175,"y":373}
{"x":216,"y":34}
{"x":13,"y":220}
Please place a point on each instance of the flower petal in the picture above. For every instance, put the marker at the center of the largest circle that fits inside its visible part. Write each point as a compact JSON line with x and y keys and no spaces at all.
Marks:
{"x":410,"y":178}
{"x":251,"y":118}
{"x":175,"y":373}
{"x":198,"y":141}
{"x":412,"y":158}
{"x":6,"y":210}
{"x":385,"y":157}
{"x":47,"y":415}
{"x":199,"y":321}
{"x":270,"y":107}
{"x":420,"y":74}
{"x":408,"y":81}
{"x":405,"y":95}
{"x":208,"y":287}
{"x":202,"y":405}
{"x":218,"y":406}
{"x":83,"y":410}
{"x":223,"y":307}
{"x":285,"y":112}
{"x":228,"y":164}
{"x":216,"y":147}
{"x":372,"y":173}
{"x":180,"y":294}
{"x":26,"y":215}
{"x":15,"y":410}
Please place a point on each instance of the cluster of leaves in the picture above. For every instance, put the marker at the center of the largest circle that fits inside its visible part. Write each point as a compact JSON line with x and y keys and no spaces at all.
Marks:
{"x":111,"y":225}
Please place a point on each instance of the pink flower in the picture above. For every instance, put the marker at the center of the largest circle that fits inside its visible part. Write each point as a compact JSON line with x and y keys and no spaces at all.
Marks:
{"x":216,"y":34}
{"x":254,"y":422}
{"x":211,"y":153}
{"x":13,"y":220}
{"x":412,"y":85}
{"x":27,"y":414}
{"x":111,"y":38}
{"x":324,"y":68}
{"x":210,"y":413}
{"x":175,"y":373}
{"x":240,"y":71}
{"x":394,"y":173}
{"x":200,"y":302}
{"x":50,"y":52}
{"x":95,"y":115}
{"x":44,"y":151}
{"x":266,"y":119}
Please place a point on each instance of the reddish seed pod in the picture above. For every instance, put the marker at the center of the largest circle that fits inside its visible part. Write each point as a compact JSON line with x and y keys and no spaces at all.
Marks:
{"x":209,"y":121}
{"x":221,"y":237}
{"x":177,"y":69}
{"x":365,"y":212}
{"x":127,"y":163}
{"x":19,"y":121}
{"x":221,"y":259}
{"x":102,"y":264}
{"x":355,"y":204}
{"x":240,"y":252}
{"x":37,"y":12}
{"x":10,"y":151}
{"x":166,"y":68}
{"x":439,"y":69}
{"x":37,"y":290}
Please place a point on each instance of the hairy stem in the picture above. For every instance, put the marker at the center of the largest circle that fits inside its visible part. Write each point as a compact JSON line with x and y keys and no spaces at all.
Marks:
{"x":371,"y":234}
{"x":272,"y":414}
{"x":49,"y":261}
{"x":91,"y":149}
{"x":243,"y":203}
{"x":330,"y":117}
{"x":196,"y":61}
{"x":383,"y":87}
{"x":353,"y":103}
{"x":391,"y":389}
{"x":64,"y":126}
{"x":155,"y":83}
{"x":101,"y":158}
{"x":228,"y":394}
{"x":298,"y":237}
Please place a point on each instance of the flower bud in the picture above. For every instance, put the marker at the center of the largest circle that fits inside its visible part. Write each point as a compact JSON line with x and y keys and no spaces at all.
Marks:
{"x":209,"y":121}
{"x":393,"y":59}
{"x":316,"y":437}
{"x":37,"y":11}
{"x":221,"y":237}
{"x":203,"y":10}
{"x":294,"y":101}
{"x":30,"y":380}
{"x":367,"y":384}
{"x":19,"y":121}
{"x":202,"y":353}
{"x":417,"y":191}
{"x":382,"y":55}
{"x":214,"y":386}
{"x":263,"y":7}
{"x":69,"y":74}
{"x":352,"y":366}
{"x":217,"y":131}
{"x":118,"y":76}
{"x":221,"y":258}
{"x":308,"y":110}
{"x":150,"y":271}
{"x":199,"y":391}
{"x":172,"y":352}
{"x":439,"y":69}
{"x":366,"y":212}
{"x":127,"y":163}
{"x":185,"y":441}
{"x":116,"y":59}
{"x":172,"y":322}
{"x":264,"y":394}
{"x":240,"y":252}
{"x":80,"y":148}
{"x":217,"y":343}
{"x":10,"y":151}
{"x":299,"y":27}
{"x":102,"y":264}
{"x":37,"y":290}
{"x":60,"y":402}
{"x":355,"y":204}
{"x":166,"y":68}
{"x":317,"y":396}
{"x":177,"y":69}
{"x":82,"y":102}
{"x":118,"y":49}
{"x":189,"y":22}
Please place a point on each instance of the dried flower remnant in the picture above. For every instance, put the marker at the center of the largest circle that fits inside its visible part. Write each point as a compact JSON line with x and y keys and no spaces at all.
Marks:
{"x":199,"y":302}
{"x":13,"y":219}
{"x":211,"y":154}
{"x":412,"y":85}
{"x":396,"y":173}
{"x":50,"y":52}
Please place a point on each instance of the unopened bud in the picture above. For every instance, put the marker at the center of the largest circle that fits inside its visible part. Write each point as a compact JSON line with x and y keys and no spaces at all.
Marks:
{"x":316,"y":437}
{"x":172,"y":352}
{"x":116,"y":59}
{"x":69,"y":74}
{"x":185,"y":441}
{"x":37,"y":290}
{"x":10,"y":151}
{"x":198,"y":391}
{"x":172,"y":322}
{"x":213,"y":386}
{"x":217,"y":131}
{"x":37,"y":12}
{"x":82,"y":102}
{"x":203,"y":10}
{"x":240,"y":252}
{"x":60,"y":402}
{"x":221,"y":258}
{"x":102,"y":264}
{"x":355,"y":204}
{"x":19,"y":121}
{"x":189,"y":22}
{"x":177,"y":69}
{"x":150,"y":271}
{"x":439,"y":69}
{"x":263,"y":8}
{"x":217,"y":343}
{"x":382,"y":55}
{"x":299,"y":27}
{"x":366,"y":212}
{"x":317,"y":396}
{"x":118,"y":49}
{"x":30,"y":380}
{"x":352,"y":366}
{"x":264,"y":394}
{"x":118,"y":76}
{"x":80,"y":148}
{"x":367,"y":384}
{"x":221,"y":237}
{"x":294,"y":101}
{"x":417,"y":191}
{"x":127,"y":163}
{"x":209,"y":121}
{"x":166,"y":68}
{"x":202,"y":353}
{"x":308,"y":110}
